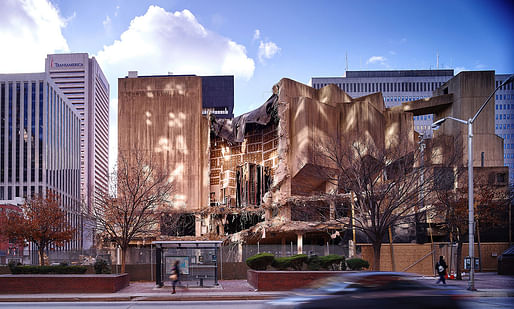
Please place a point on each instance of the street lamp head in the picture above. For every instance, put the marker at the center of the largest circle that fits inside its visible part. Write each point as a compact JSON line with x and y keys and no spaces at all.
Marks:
{"x":508,"y":80}
{"x":438,"y":123}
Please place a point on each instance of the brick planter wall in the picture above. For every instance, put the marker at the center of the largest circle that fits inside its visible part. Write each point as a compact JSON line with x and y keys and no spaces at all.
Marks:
{"x":27,"y":284}
{"x":285,"y":280}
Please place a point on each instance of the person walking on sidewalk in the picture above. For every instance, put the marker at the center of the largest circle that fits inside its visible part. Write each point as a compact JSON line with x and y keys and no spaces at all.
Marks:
{"x":175,"y":275}
{"x":441,"y":267}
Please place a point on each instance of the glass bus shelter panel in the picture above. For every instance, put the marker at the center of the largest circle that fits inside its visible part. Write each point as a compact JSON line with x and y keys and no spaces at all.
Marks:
{"x":198,"y":266}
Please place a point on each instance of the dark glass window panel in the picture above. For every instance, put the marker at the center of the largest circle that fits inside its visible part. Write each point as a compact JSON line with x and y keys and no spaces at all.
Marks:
{"x":18,"y":135}
{"x":2,"y":133}
{"x":10,"y":136}
{"x":40,"y":155}
{"x":25,"y":128}
{"x":33,"y":135}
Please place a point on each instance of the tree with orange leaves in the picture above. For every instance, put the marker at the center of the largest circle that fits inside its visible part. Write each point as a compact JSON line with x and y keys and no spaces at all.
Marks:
{"x":41,"y":222}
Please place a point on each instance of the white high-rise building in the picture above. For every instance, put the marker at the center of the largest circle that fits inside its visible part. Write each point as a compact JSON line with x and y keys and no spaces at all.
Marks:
{"x":82,"y":81}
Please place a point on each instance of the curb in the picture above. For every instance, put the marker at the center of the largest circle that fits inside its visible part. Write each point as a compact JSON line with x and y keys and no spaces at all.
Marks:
{"x":137,"y":298}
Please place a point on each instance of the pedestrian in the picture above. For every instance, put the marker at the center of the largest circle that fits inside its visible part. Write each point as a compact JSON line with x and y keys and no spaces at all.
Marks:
{"x":175,"y":275}
{"x":441,"y":267}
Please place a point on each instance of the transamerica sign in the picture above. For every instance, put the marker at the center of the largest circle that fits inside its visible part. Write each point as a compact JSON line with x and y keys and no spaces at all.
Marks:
{"x":67,"y":61}
{"x":64,"y":65}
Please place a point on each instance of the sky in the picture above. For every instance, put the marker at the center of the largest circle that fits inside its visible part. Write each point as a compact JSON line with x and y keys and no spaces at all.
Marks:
{"x":259,"y":42}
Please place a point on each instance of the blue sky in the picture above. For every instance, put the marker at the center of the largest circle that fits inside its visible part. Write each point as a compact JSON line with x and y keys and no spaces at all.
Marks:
{"x":258,"y":41}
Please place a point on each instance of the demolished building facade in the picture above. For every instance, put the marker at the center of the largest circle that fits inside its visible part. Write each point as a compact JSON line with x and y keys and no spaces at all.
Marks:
{"x":247,"y":179}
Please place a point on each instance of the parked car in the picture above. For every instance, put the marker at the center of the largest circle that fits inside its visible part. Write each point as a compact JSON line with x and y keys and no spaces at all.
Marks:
{"x":373,"y":290}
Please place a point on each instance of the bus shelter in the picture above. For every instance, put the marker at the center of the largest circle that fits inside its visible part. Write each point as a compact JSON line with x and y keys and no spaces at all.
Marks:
{"x":198,"y":261}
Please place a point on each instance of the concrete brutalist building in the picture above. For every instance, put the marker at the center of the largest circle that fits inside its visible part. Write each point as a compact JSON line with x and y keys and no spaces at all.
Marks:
{"x":241,"y":179}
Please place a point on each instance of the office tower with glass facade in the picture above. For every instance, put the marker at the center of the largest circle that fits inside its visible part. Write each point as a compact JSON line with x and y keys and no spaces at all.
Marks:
{"x":83,"y":83}
{"x":504,"y":121}
{"x":39,"y":145}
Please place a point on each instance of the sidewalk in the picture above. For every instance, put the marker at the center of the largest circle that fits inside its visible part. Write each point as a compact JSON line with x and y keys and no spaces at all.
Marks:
{"x":147,"y":291}
{"x":487,"y":284}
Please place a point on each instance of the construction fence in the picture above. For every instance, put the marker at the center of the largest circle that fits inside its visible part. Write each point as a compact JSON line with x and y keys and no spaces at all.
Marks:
{"x":421,"y":258}
{"x":413,"y":258}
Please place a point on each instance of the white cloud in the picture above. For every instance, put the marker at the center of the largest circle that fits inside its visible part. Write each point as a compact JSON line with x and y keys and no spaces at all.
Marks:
{"x":29,"y":30}
{"x":256,"y":34}
{"x":159,"y":42}
{"x":376,"y":59}
{"x":267,"y":50}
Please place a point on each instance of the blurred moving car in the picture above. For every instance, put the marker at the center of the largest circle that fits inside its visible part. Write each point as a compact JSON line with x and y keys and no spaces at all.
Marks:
{"x":372,"y":290}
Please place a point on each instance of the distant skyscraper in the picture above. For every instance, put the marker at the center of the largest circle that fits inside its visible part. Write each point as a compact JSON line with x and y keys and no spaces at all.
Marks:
{"x":39,"y":144}
{"x":82,"y":81}
{"x":218,"y":95}
{"x":504,"y":121}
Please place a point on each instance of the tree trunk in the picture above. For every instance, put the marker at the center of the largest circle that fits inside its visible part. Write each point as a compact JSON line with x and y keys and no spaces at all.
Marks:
{"x":459,"y":258}
{"x":123,"y":255}
{"x":376,"y":255}
{"x":41,"y":255}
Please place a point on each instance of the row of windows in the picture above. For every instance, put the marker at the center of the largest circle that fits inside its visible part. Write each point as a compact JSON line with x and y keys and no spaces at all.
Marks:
{"x":505,"y":87}
{"x":506,"y":136}
{"x":504,"y":116}
{"x":9,"y":192}
{"x":504,"y":126}
{"x":422,"y":128}
{"x":504,"y":106}
{"x":402,"y":99}
{"x":423,"y":117}
{"x":504,"y":97}
{"x":215,"y":111}
{"x":384,"y":87}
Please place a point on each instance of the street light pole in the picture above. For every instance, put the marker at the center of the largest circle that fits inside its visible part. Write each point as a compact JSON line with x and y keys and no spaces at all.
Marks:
{"x":471,"y":208}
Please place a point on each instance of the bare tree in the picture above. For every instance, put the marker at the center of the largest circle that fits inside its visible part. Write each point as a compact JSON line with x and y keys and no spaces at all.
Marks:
{"x":387,"y":185}
{"x":451,"y":206}
{"x":140,"y":194}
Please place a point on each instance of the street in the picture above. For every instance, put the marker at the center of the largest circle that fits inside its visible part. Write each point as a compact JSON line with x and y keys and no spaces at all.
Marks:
{"x":478,"y":303}
{"x":240,"y":304}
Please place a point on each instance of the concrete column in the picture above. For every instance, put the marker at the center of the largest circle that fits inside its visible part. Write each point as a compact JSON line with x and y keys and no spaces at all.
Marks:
{"x":240,"y":252}
{"x":283,"y":247}
{"x":158,"y":265}
{"x":299,"y":243}
{"x":198,"y":225}
{"x":351,"y":247}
